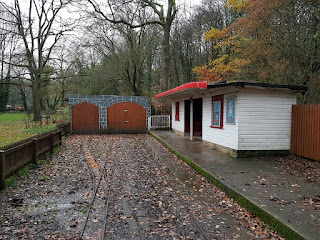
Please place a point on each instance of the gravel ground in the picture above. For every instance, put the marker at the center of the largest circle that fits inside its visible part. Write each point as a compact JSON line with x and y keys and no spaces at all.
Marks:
{"x":121,"y":187}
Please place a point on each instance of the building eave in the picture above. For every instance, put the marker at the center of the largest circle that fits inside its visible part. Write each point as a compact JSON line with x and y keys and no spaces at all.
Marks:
{"x":256,"y":84}
{"x":183,"y":88}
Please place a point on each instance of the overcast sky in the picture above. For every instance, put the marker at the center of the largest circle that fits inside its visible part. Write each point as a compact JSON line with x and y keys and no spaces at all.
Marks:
{"x":178,"y":2}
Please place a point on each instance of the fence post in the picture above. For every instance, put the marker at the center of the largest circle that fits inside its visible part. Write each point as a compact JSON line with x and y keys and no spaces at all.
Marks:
{"x":34,"y":150}
{"x":51,"y":140}
{"x":149,"y":123}
{"x":60,"y":137}
{"x":2,"y":170}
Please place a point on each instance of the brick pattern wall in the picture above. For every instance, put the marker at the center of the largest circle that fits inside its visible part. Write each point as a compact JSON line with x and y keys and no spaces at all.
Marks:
{"x":105,"y":101}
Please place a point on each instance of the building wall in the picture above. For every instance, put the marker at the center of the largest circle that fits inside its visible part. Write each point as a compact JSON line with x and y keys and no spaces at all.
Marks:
{"x":262,"y":119}
{"x":105,"y":101}
{"x":178,"y":125}
{"x":265,"y":119}
{"x":226,"y":137}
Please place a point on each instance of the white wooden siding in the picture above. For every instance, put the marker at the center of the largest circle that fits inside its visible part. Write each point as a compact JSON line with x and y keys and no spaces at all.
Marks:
{"x":228,"y":136}
{"x":178,"y":125}
{"x":265,"y":119}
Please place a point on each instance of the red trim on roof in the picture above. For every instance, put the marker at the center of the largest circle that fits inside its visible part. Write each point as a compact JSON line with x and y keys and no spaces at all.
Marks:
{"x":191,"y":85}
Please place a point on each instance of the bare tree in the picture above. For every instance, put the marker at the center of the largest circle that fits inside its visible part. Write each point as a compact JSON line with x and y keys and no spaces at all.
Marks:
{"x":40,"y":29}
{"x":139,"y":9}
{"x":8,"y":46}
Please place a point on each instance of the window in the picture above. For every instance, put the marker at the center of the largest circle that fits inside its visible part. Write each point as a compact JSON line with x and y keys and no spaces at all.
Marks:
{"x":217,"y":112}
{"x":230,"y":111}
{"x":177,"y":117}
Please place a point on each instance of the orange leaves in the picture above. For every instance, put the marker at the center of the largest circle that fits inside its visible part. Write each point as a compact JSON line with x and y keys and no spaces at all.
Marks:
{"x":226,"y":48}
{"x":205,"y":74}
{"x":259,"y":14}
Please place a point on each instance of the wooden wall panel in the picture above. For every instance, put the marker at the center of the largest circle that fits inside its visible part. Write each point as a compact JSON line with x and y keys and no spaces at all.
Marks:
{"x":85,"y":118}
{"x":126,"y":117}
{"x":305,"y":131}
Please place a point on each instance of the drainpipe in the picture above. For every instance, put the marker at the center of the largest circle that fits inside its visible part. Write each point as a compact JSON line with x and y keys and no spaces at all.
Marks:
{"x":191,"y":119}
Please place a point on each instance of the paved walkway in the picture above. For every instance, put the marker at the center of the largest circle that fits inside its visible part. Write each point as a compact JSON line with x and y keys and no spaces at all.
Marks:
{"x":263,"y":181}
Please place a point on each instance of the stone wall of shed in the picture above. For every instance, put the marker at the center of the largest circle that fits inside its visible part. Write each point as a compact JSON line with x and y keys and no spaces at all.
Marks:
{"x":105,"y":101}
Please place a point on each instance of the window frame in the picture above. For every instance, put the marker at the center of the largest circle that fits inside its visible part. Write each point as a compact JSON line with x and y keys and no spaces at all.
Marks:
{"x":177,"y":115}
{"x":218,"y":98}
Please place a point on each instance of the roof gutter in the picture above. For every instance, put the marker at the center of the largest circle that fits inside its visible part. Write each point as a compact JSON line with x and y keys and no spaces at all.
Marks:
{"x":254,"y":84}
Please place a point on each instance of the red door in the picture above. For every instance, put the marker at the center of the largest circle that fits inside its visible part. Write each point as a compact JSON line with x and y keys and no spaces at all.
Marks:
{"x":85,"y":118}
{"x":126,"y":117}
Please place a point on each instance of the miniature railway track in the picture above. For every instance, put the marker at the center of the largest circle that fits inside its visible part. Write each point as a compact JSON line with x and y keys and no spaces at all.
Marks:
{"x":102,"y":177}
{"x":98,"y":174}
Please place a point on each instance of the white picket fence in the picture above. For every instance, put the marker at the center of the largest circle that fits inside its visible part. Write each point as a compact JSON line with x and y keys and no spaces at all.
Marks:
{"x":158,"y":122}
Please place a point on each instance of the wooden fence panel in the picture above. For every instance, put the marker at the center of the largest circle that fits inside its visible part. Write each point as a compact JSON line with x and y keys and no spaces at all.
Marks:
{"x":15,"y":156}
{"x":305,"y":131}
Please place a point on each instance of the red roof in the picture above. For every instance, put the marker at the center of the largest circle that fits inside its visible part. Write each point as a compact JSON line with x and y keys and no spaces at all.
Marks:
{"x":191,"y":85}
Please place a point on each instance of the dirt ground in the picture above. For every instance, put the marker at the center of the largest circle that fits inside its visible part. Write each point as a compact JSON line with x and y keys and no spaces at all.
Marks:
{"x":121,"y":187}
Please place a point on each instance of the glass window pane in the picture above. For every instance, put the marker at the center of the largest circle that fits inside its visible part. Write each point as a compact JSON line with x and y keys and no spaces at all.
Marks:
{"x":230,"y":110}
{"x":216,"y":114}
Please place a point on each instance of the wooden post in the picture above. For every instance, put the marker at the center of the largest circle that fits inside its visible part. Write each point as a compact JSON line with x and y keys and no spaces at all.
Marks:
{"x":51,"y":140}
{"x":60,"y":137}
{"x":34,"y":150}
{"x":3,"y":169}
{"x":191,"y":119}
{"x":68,"y":129}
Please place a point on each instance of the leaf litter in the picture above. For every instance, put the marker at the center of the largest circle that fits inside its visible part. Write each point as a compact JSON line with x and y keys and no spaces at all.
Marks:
{"x":153,"y":195}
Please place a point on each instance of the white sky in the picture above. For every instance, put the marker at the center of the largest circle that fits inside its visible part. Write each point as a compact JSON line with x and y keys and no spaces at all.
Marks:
{"x":192,"y":2}
{"x":178,"y":2}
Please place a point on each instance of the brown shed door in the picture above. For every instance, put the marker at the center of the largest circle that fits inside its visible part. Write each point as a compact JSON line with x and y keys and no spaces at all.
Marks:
{"x":85,"y":118}
{"x":127,"y":118}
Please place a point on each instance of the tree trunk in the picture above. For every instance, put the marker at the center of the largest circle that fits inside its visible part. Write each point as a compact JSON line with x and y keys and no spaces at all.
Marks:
{"x":62,"y":91}
{"x":4,"y":96}
{"x":23,"y":98}
{"x":166,"y":57}
{"x":36,"y":100}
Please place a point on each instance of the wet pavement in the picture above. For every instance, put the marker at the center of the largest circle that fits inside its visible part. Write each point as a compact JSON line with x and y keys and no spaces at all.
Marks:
{"x":121,"y":187}
{"x":263,"y":181}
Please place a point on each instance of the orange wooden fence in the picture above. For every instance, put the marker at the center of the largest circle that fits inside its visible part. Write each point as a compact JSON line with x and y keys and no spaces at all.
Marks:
{"x":305,"y":131}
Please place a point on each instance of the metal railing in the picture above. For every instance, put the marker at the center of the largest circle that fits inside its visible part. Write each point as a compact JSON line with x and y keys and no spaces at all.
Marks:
{"x":159,"y":122}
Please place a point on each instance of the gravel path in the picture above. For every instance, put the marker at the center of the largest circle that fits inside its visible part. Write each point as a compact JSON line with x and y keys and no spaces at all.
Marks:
{"x":121,"y":187}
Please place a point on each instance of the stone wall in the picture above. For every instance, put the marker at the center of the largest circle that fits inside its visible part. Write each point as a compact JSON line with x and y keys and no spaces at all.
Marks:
{"x":105,"y":101}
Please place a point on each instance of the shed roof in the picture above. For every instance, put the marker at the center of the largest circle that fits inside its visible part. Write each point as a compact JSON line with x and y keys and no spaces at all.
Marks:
{"x":194,"y":86}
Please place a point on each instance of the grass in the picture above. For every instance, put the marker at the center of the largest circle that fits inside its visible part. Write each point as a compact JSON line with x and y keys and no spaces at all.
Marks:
{"x":18,"y":126}
{"x":12,"y":181}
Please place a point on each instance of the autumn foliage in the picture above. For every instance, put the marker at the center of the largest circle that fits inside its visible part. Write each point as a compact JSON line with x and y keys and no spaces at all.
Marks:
{"x":274,"y":41}
{"x":226,"y":61}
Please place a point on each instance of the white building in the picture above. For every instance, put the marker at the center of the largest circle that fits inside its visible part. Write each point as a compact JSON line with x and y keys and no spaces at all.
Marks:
{"x":238,"y":117}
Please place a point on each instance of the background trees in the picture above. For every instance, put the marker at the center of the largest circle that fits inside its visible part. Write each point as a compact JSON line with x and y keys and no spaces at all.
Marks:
{"x":39,"y":30}
{"x":141,"y":47}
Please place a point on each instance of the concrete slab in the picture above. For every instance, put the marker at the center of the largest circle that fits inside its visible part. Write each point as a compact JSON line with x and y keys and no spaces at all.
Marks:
{"x":261,"y":181}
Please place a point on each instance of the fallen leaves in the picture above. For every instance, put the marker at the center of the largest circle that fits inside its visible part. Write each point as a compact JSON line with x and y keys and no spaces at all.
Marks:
{"x":154,"y":195}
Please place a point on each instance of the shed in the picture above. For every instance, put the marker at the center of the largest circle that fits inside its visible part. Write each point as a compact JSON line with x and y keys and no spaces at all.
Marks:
{"x":236,"y":117}
{"x":108,"y":113}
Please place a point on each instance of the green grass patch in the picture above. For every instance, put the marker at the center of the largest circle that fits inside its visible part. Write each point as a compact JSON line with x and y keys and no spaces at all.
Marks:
{"x":15,"y":127}
{"x":36,"y":129}
{"x":11,"y":181}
